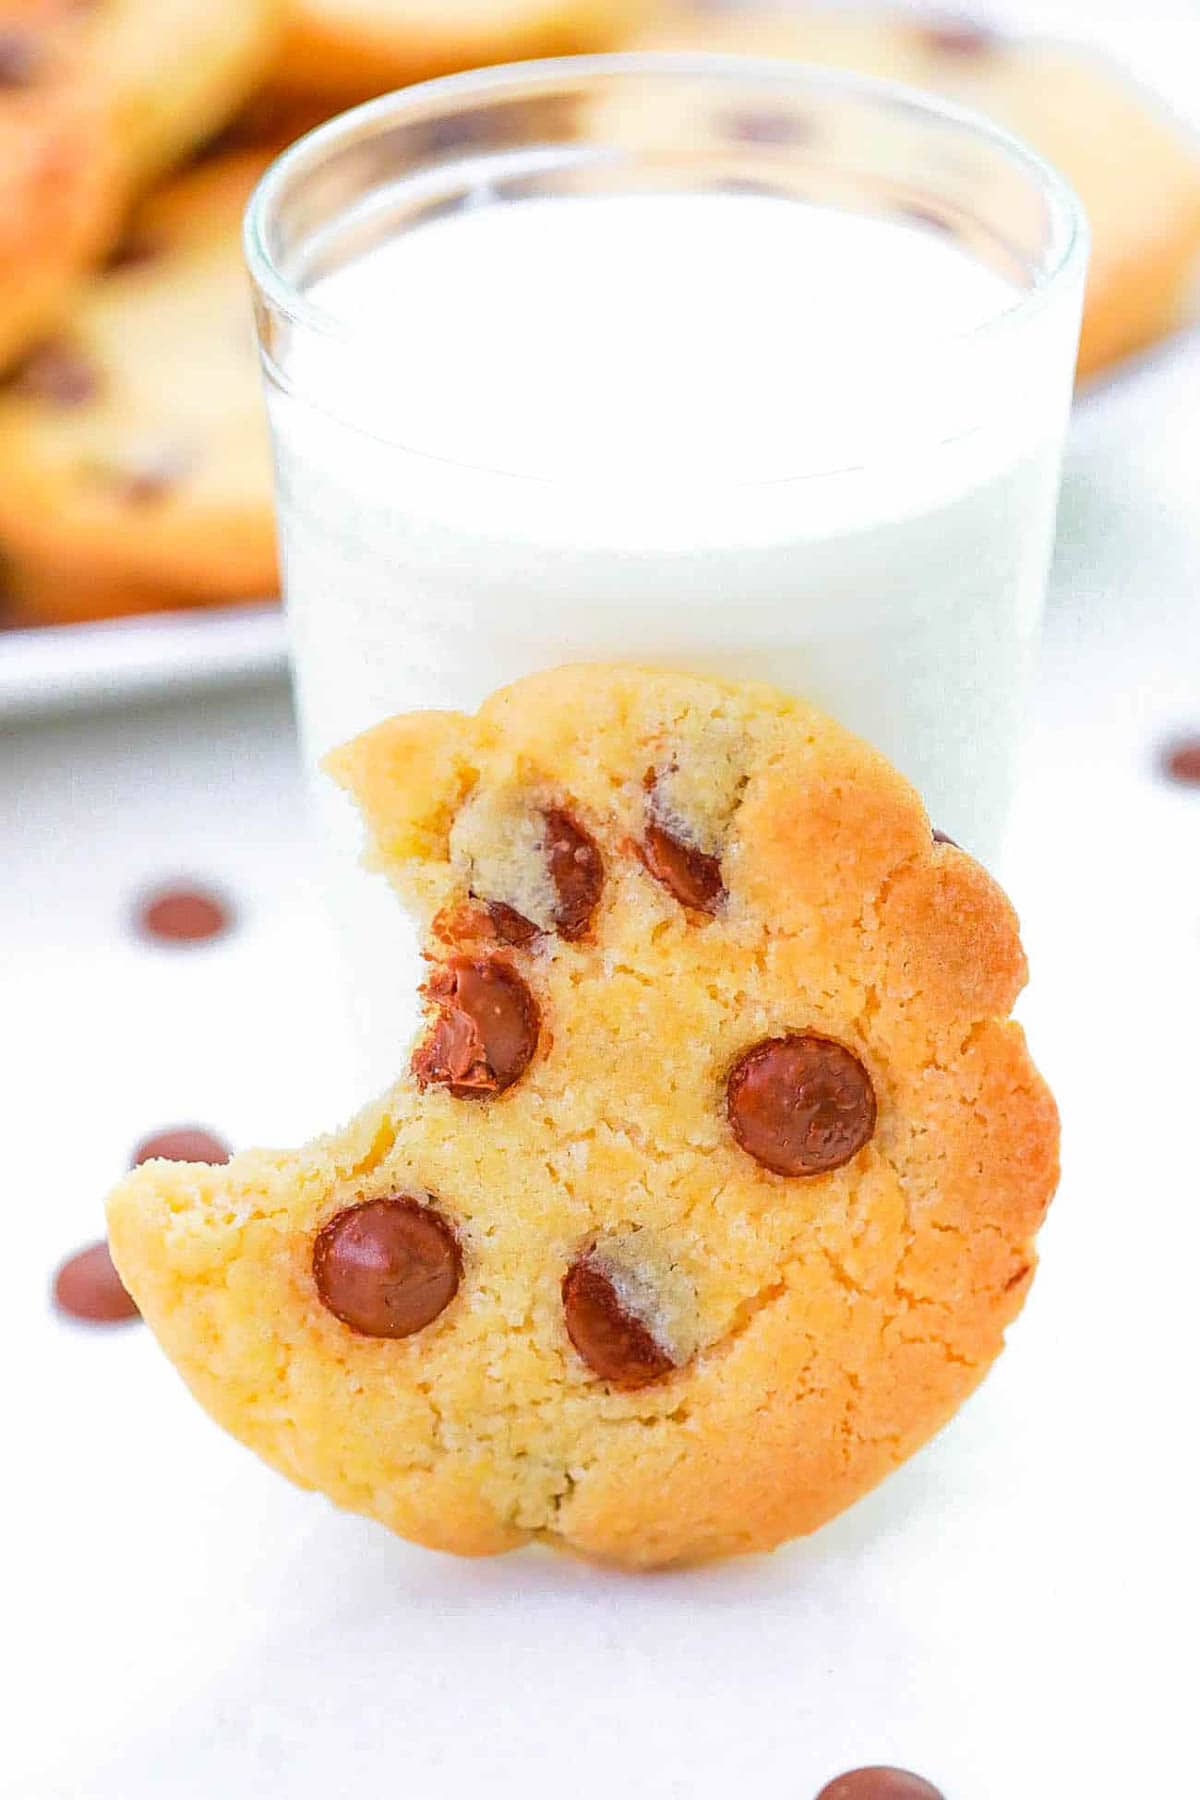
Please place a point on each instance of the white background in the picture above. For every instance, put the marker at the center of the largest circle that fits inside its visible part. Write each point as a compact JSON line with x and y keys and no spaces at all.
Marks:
{"x":1013,"y":1614}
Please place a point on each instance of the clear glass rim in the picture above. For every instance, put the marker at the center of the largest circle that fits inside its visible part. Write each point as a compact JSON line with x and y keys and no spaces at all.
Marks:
{"x":1070,"y":236}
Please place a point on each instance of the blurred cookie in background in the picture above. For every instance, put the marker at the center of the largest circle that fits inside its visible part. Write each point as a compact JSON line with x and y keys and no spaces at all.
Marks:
{"x":1135,"y":167}
{"x":60,"y":185}
{"x":134,"y":469}
{"x":356,"y":48}
{"x":175,"y":70}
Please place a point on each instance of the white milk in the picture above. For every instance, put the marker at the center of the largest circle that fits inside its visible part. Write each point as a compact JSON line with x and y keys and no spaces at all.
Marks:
{"x":730,"y":433}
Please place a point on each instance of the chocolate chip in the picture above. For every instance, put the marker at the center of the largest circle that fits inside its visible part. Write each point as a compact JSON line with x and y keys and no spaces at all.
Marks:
{"x":510,"y":926}
{"x":20,"y":57}
{"x":577,"y":871}
{"x":183,"y":915}
{"x":134,"y":251}
{"x":486,"y":1031}
{"x":440,"y":136}
{"x":57,"y":372}
{"x":927,"y":216}
{"x":879,"y":1784}
{"x":1181,"y":761}
{"x":769,"y":128}
{"x":152,"y":477}
{"x":801,"y":1104}
{"x":693,"y":877}
{"x":88,"y":1287}
{"x":613,"y":1344}
{"x":184,"y":1143}
{"x":943,"y":837}
{"x":388,"y":1267}
{"x":484,"y":922}
{"x":958,"y":37}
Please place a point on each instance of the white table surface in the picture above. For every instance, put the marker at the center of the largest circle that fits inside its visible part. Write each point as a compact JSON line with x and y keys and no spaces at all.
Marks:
{"x":1013,"y":1614}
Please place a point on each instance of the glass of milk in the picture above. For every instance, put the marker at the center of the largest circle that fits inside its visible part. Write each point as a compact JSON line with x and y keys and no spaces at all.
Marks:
{"x":703,"y":362}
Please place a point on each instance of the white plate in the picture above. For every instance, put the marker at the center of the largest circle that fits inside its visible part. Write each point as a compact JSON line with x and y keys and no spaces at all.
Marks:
{"x":60,"y":667}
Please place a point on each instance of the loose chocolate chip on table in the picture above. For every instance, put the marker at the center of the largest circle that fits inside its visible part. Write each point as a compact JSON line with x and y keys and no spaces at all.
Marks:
{"x":486,"y":1030}
{"x":614,"y":1344}
{"x":879,"y":1784}
{"x":577,"y":871}
{"x":692,"y":876}
{"x":20,"y":57}
{"x":57,"y":372}
{"x":184,"y":1143}
{"x":801,"y":1104}
{"x":387,"y":1267}
{"x":183,"y":915}
{"x":1181,"y":761}
{"x":88,"y":1287}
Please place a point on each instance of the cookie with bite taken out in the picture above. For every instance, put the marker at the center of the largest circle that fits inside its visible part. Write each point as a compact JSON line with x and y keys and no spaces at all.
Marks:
{"x":710,"y":1183}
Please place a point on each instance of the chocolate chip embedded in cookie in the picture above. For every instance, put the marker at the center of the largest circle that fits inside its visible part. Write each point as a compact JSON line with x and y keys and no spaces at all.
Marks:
{"x":21,"y":56}
{"x":387,"y":1268}
{"x":956,"y":34}
{"x":577,"y":871}
{"x":686,"y":870}
{"x":529,"y":862}
{"x":486,"y":1030}
{"x":801,"y":1104}
{"x":614,"y":1343}
{"x":58,"y":372}
{"x":675,"y":1235}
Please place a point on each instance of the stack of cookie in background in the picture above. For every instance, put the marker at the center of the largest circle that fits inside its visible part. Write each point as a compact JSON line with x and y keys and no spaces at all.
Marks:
{"x":134,"y":471}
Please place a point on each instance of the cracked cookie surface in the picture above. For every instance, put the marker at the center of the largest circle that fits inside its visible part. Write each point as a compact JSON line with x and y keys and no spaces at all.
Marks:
{"x":683,"y":1224}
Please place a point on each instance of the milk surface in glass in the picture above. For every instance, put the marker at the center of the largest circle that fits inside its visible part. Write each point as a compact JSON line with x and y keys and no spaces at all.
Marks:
{"x":723,"y":431}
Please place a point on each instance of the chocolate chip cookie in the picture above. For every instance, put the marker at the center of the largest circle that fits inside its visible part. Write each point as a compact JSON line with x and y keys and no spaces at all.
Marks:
{"x":173,"y":71}
{"x":710,"y":1183}
{"x":1136,"y":169}
{"x":355,"y":48}
{"x":134,"y":469}
{"x":60,"y":171}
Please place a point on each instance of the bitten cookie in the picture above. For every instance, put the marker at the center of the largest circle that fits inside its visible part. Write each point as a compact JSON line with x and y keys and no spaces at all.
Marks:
{"x":355,"y":48}
{"x":1136,"y":169}
{"x":711,"y":1183}
{"x":133,"y":453}
{"x":60,"y":184}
